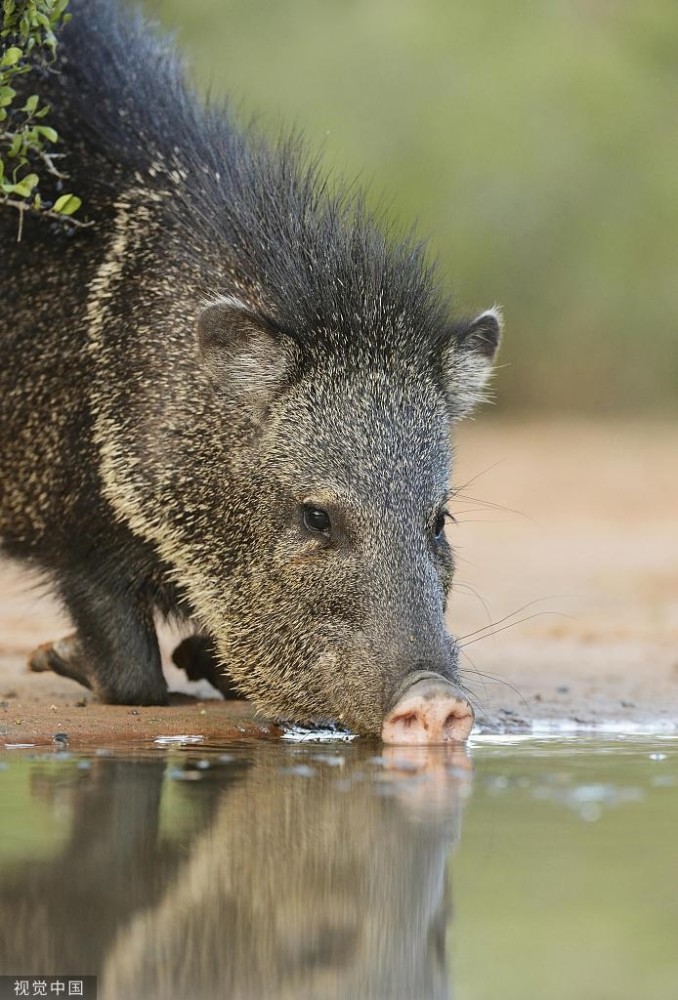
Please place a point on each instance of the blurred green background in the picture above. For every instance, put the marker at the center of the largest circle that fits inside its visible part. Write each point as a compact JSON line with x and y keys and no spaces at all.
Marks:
{"x":535,"y":142}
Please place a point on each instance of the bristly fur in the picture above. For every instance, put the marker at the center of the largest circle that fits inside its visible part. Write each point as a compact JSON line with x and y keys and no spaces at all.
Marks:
{"x":228,"y":343}
{"x":311,"y":256}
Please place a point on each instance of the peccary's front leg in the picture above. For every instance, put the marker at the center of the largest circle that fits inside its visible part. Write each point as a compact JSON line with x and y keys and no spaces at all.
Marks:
{"x":114,"y":650}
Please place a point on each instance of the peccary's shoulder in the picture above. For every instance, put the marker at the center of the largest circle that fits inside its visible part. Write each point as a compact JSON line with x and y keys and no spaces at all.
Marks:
{"x":236,"y":213}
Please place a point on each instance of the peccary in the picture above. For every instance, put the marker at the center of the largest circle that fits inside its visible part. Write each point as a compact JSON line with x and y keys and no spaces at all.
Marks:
{"x":229,"y":400}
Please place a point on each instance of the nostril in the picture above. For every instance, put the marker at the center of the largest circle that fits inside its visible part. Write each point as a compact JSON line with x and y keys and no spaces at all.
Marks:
{"x":431,"y":711}
{"x":406,"y":721}
{"x":459,"y":722}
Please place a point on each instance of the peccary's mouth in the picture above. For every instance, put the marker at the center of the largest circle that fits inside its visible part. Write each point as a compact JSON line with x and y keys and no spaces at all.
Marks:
{"x":427,"y":709}
{"x":315,"y":731}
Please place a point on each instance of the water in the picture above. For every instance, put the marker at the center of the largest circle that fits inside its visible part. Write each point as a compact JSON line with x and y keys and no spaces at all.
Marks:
{"x":536,"y":869}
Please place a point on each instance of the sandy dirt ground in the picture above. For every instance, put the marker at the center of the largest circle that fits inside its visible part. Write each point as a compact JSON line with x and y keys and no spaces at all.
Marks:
{"x":567,"y":539}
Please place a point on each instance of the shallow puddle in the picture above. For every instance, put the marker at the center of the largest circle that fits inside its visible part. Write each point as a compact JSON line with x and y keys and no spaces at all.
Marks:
{"x":531,"y":868}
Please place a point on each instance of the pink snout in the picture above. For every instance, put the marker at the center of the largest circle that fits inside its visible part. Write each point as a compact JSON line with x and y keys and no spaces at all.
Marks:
{"x":429,"y":711}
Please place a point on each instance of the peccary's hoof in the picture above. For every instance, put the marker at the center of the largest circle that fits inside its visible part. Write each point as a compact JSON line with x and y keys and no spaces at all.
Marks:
{"x":60,"y":657}
{"x":197,"y":658}
{"x":39,"y":661}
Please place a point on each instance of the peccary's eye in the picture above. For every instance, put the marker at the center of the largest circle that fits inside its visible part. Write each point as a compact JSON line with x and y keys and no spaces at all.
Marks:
{"x":316,"y":519}
{"x":439,"y":526}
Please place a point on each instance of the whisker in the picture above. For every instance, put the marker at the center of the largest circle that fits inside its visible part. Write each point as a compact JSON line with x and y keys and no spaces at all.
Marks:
{"x":477,"y":520}
{"x":496,"y":680}
{"x":462,"y":559}
{"x":459,"y":585}
{"x":472,"y":698}
{"x":487,"y":503}
{"x":524,"y":607}
{"x":520,"y":621}
{"x":455,"y":489}
{"x":466,"y":510}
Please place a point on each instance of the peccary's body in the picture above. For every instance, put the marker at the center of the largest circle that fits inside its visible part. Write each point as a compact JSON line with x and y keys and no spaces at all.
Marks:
{"x":227,"y":400}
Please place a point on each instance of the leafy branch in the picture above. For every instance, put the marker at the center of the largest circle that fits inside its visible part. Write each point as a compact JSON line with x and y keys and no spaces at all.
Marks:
{"x":27,"y":40}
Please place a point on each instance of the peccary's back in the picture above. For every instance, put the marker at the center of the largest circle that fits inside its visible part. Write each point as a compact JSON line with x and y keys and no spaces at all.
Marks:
{"x":48,"y":278}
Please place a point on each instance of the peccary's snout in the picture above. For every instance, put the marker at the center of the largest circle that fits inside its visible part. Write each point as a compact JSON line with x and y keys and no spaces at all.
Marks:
{"x":429,"y":710}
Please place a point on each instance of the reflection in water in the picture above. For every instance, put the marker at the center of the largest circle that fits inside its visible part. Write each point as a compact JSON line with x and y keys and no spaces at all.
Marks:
{"x":275,"y":872}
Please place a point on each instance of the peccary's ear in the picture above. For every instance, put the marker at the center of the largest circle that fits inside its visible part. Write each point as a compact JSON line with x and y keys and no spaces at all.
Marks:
{"x":247,"y":356}
{"x":467,"y":362}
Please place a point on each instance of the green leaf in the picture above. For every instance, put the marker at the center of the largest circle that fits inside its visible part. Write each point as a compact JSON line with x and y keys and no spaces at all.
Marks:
{"x":59,"y":9}
{"x":31,"y":104}
{"x":27,"y":27}
{"x":16,"y":145}
{"x":48,"y":133}
{"x":25,"y":186}
{"x":67,"y":204}
{"x":11,"y":57}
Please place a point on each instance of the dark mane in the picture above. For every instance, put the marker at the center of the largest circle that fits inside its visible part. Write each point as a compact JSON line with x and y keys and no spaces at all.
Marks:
{"x":315,"y":258}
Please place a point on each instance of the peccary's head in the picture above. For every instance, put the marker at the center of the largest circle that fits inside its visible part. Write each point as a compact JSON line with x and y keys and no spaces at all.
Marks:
{"x":334,"y":600}
{"x":306,"y":466}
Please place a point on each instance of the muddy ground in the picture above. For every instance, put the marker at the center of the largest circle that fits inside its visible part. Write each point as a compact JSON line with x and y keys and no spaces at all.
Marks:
{"x":571,"y":526}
